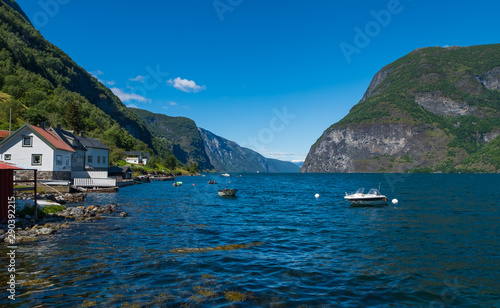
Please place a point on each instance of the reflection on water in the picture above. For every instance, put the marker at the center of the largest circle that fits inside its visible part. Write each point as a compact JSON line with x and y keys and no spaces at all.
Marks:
{"x":276,"y":245}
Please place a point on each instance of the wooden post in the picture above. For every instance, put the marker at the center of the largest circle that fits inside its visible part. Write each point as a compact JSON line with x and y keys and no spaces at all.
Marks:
{"x":34,"y":197}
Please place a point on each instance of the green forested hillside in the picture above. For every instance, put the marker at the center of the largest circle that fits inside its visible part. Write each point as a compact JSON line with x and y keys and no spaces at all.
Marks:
{"x":179,"y":134}
{"x":39,"y":82}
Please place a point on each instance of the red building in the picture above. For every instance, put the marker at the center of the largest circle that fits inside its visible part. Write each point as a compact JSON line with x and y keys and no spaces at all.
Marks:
{"x":6,"y":188}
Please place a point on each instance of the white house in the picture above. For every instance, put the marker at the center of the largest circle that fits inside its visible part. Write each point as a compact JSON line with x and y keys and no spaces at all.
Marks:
{"x":39,"y":149}
{"x":136,"y":157}
{"x":97,"y":155}
{"x":78,"y":158}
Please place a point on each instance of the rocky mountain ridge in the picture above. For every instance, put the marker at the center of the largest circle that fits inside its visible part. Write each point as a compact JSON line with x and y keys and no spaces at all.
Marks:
{"x":228,"y":156}
{"x":433,"y":110}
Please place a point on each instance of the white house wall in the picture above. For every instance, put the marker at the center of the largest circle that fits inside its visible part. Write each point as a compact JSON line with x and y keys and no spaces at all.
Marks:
{"x":22,"y":155}
{"x":97,"y":153}
{"x":132,"y":160}
{"x":66,"y":160}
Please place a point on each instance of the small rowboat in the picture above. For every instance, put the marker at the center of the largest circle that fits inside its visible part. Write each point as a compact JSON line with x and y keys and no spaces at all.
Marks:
{"x":226,"y":192}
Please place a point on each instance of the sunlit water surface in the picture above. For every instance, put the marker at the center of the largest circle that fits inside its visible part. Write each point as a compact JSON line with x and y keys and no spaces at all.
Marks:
{"x":276,"y":245}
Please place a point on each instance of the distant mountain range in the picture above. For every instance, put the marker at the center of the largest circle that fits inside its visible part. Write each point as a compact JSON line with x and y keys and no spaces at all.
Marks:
{"x":228,"y":156}
{"x":190,"y":143}
{"x":435,"y":109}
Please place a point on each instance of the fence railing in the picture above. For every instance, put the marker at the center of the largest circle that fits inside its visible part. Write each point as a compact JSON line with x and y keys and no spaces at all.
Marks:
{"x":108,"y":182}
{"x":90,"y":174}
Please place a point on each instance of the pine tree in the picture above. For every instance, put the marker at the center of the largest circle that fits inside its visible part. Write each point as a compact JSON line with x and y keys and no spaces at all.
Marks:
{"x":73,"y":116}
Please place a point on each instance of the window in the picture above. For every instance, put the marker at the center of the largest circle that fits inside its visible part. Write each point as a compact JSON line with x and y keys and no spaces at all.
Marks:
{"x":7,"y":156}
{"x":27,"y":141}
{"x":36,"y":159}
{"x":59,"y":160}
{"x":98,"y":159}
{"x":67,"y":160}
{"x":89,"y":159}
{"x":104,"y":159}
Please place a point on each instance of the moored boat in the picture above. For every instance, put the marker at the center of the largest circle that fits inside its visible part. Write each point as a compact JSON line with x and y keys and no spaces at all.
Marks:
{"x":226,"y":192}
{"x":177,"y":184}
{"x":225,"y":174}
{"x":372,"y":198}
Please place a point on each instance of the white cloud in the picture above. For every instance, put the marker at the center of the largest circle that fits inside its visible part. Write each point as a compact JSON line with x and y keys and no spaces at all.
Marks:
{"x":111,"y":83}
{"x":185,"y":85}
{"x":127,"y":97}
{"x":173,"y":104}
{"x":139,"y":78}
{"x":297,"y":160}
{"x":132,"y":106}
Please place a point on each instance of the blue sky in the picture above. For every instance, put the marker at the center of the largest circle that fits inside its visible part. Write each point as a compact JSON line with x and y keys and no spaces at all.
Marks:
{"x":270,"y":75}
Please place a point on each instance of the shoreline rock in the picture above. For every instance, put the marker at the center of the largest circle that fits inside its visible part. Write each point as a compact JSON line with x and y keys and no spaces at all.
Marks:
{"x":27,"y":230}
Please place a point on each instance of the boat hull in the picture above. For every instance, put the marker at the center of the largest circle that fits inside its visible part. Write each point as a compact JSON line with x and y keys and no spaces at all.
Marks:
{"x":368,"y":202}
{"x":227,"y":192}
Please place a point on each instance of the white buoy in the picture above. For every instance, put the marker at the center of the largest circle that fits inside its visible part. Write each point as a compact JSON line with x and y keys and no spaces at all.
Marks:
{"x":395,"y":201}
{"x":316,"y":195}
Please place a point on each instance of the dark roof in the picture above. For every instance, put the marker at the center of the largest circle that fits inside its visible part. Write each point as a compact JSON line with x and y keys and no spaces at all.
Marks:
{"x":91,"y":143}
{"x":127,"y":169}
{"x":133,"y":153}
{"x":123,"y":169}
{"x":64,"y":135}
{"x":114,"y":169}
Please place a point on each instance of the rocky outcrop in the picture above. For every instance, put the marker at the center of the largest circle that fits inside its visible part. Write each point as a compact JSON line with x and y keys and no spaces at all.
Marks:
{"x":437,"y":103}
{"x":228,"y":156}
{"x":490,"y":79}
{"x":376,"y":81}
{"x":372,"y":148}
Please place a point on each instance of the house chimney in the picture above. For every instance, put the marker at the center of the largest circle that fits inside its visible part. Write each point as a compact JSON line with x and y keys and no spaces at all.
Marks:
{"x":59,"y":126}
{"x":42,"y":125}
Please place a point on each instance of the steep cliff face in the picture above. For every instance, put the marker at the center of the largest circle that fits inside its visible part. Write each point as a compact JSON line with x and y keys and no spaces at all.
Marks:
{"x":431,"y":110}
{"x":376,"y":148}
{"x":228,"y":156}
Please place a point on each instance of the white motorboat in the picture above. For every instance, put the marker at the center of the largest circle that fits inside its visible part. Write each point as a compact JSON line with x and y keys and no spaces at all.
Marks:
{"x":372,"y":198}
{"x":225,"y":174}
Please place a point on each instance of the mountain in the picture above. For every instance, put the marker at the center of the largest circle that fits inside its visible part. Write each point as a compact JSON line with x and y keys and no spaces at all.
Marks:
{"x":39,"y":82}
{"x":435,"y":109}
{"x":180,"y":134}
{"x":13,"y":4}
{"x":228,"y":156}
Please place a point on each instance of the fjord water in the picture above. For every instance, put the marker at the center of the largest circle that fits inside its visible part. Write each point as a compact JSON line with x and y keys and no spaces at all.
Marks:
{"x":439,"y":247}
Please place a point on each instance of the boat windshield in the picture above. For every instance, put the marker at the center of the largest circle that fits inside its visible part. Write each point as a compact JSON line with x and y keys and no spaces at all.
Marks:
{"x":374,"y":191}
{"x":360,"y":191}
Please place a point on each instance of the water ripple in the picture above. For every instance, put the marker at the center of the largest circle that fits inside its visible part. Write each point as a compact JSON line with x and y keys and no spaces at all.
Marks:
{"x":276,"y":245}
